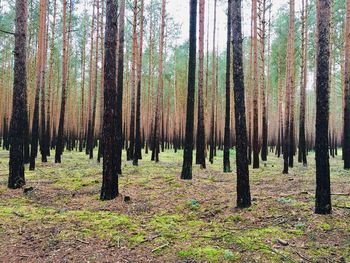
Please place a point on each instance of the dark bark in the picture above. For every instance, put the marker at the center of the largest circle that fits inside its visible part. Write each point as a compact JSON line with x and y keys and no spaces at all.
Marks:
{"x":227,"y":143}
{"x":60,"y":133}
{"x":303,"y":82}
{"x":137,"y":152}
{"x":109,"y":188}
{"x":35,"y":132}
{"x":243,"y":188}
{"x":119,"y":88}
{"x":323,"y":191}
{"x":346,"y":116}
{"x":19,"y":107}
{"x":187,"y":161}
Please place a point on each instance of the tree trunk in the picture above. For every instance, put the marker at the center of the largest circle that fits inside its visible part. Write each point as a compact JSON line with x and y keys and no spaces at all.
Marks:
{"x":255,"y":90}
{"x":200,"y":142}
{"x":187,"y":161}
{"x":19,"y":104}
{"x":303,"y":82}
{"x":137,"y":151}
{"x":227,"y":143}
{"x":109,"y":188}
{"x":346,"y":128}
{"x":213,"y":82}
{"x":119,"y":88}
{"x":243,"y":189}
{"x":323,"y":191}
{"x":157,"y":124}
{"x":289,"y":88}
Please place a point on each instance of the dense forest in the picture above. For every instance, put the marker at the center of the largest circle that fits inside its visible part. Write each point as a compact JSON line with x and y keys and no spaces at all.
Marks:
{"x":124,"y":141}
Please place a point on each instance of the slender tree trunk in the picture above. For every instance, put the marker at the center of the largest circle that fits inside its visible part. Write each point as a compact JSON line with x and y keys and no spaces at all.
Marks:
{"x":157,"y":124}
{"x":19,"y":103}
{"x":95,"y":84}
{"x":40,"y":85}
{"x":262,"y":80}
{"x":60,"y":134}
{"x":255,"y":89}
{"x":187,"y":161}
{"x":137,"y":151}
{"x":303,"y":82}
{"x":227,"y":142}
{"x":200,"y":142}
{"x":289,"y":87}
{"x":346,"y":116}
{"x":119,"y":88}
{"x":243,"y":189}
{"x":213,"y":91}
{"x":109,"y":188}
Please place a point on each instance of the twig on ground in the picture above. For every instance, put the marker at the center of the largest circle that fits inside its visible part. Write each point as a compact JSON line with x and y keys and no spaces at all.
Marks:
{"x":84,"y":242}
{"x":160,"y":247}
{"x":303,"y":257}
{"x":343,"y":207}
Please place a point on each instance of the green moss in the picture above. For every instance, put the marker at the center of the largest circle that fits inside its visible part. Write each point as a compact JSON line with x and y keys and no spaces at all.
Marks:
{"x":234,"y":218}
{"x":325,"y":226}
{"x":207,"y":253}
{"x":167,"y":225}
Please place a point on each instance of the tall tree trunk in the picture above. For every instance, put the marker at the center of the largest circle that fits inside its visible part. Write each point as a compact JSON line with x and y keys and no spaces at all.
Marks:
{"x":60,"y":134}
{"x":346,"y":116}
{"x":137,"y":151}
{"x":119,"y":88}
{"x":243,"y":189}
{"x":323,"y":191}
{"x":200,"y":142}
{"x":40,"y":86}
{"x":289,"y":88}
{"x":303,"y":82}
{"x":95,"y":84}
{"x":130,"y":152}
{"x":19,"y":103}
{"x":157,"y":124}
{"x":262,"y":80}
{"x":227,"y":143}
{"x":213,"y":91}
{"x":255,"y":89}
{"x":82,"y":110}
{"x":187,"y":161}
{"x":109,"y":188}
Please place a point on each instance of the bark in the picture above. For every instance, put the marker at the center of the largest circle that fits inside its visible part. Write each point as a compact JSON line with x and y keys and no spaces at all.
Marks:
{"x":227,"y":143}
{"x":243,"y":189}
{"x":323,"y":191}
{"x":213,"y":91}
{"x":95,"y":84}
{"x":157,"y":124}
{"x":289,"y":88}
{"x":303,"y":82}
{"x":346,"y":116}
{"x":19,"y":105}
{"x":255,"y":130}
{"x":262,"y":80}
{"x":200,"y":142}
{"x":60,"y":134}
{"x":109,"y":188}
{"x":137,"y":150}
{"x":130,"y":152}
{"x":40,"y":87}
{"x":187,"y":161}
{"x":119,"y":88}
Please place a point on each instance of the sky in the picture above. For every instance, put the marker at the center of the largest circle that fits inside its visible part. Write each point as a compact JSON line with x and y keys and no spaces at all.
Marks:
{"x":180,"y":11}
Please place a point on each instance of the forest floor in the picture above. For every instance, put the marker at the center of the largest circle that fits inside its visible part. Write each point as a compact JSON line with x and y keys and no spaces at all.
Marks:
{"x":170,"y":220}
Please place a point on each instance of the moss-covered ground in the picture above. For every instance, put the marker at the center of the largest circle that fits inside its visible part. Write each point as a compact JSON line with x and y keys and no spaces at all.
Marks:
{"x":170,"y":220}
